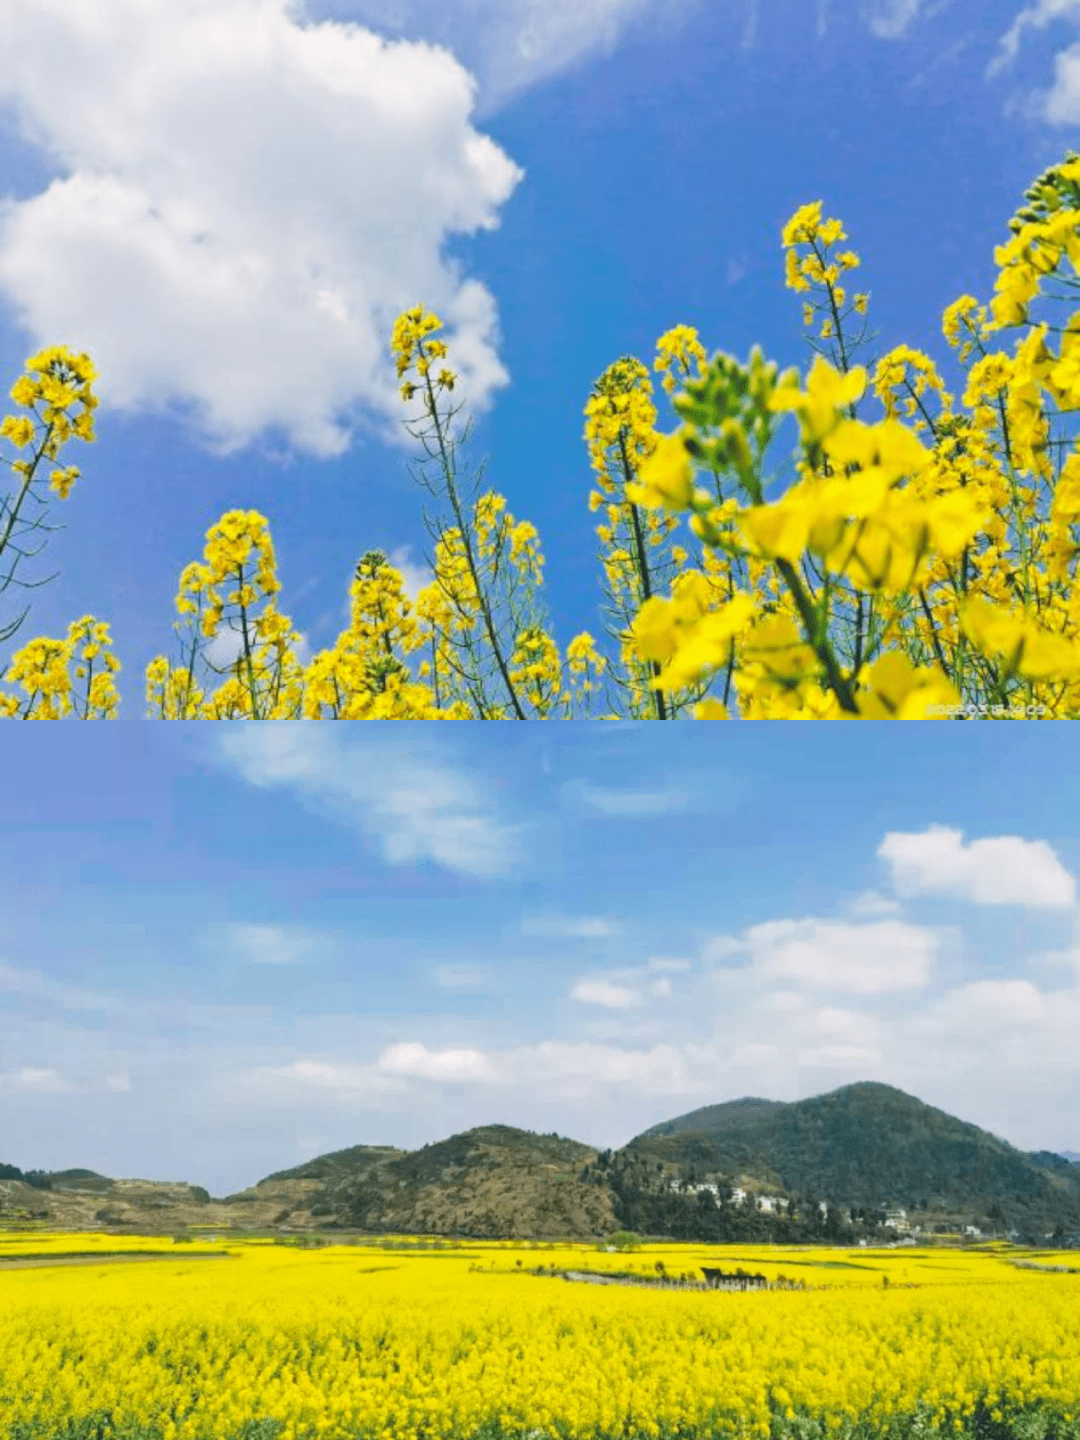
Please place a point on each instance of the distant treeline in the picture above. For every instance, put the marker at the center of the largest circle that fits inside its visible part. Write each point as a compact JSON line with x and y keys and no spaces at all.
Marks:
{"x":38,"y":1178}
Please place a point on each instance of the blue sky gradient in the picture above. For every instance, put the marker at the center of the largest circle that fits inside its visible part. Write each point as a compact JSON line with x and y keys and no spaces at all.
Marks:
{"x":230,"y":949}
{"x":659,"y":146}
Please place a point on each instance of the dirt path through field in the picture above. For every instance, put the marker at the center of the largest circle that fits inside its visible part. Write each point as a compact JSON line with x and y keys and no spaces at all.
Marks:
{"x":11,"y":1263}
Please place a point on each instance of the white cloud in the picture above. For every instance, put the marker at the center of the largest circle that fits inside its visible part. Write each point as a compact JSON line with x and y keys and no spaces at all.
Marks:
{"x":461,"y":977}
{"x":891,"y":19}
{"x":586,"y":928}
{"x":64,"y":997}
{"x":668,"y":966}
{"x":264,"y":196}
{"x":227,"y":646}
{"x":870,"y":903}
{"x":571,"y":1069}
{"x":1004,"y":870}
{"x":1060,"y":104}
{"x":851,"y":1025}
{"x":119,"y":1084}
{"x":415,"y":577}
{"x":720,"y":947}
{"x":416,"y":809}
{"x":829,"y":1056}
{"x":263,"y":944}
{"x":986,"y":1004}
{"x":660,"y":987}
{"x":511,"y":45}
{"x":576,"y":1067}
{"x":854,"y":959}
{"x":41,"y":1082}
{"x":602,"y":992}
{"x":1034,"y":17}
{"x":444,"y":1066}
{"x":784,"y":1002}
{"x":353,"y":1081}
{"x":626,"y":804}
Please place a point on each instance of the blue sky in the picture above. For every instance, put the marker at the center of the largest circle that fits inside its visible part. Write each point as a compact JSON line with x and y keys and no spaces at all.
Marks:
{"x":230,"y":949}
{"x":237,"y":196}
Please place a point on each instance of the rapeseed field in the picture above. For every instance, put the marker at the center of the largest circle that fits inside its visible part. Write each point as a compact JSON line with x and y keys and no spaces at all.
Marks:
{"x":391,"y":1342}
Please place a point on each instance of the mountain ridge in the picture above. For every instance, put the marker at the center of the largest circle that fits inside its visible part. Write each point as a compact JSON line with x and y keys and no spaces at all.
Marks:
{"x":839,"y":1160}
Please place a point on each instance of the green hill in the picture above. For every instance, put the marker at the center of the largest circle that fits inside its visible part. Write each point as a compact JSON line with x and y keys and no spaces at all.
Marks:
{"x":828,"y":1169}
{"x":868,"y":1146}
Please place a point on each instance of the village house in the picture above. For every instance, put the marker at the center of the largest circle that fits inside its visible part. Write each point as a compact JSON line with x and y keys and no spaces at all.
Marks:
{"x":897,"y":1220}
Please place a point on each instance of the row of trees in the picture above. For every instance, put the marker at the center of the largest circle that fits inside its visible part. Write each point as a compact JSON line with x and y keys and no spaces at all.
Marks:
{"x":893,"y":578}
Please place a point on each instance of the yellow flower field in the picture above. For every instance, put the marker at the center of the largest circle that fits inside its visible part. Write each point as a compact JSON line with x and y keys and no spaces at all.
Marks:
{"x":395,"y":1342}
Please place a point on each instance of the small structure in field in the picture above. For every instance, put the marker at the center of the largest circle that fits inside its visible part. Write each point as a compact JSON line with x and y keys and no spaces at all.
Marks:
{"x":738,"y":1280}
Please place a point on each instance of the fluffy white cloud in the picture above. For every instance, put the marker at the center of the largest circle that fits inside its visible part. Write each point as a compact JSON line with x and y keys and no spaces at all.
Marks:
{"x":830,"y":955}
{"x":245,"y":203}
{"x":986,"y":1004}
{"x":453,"y":1066}
{"x":570,"y":1067}
{"x":602,"y":992}
{"x":1004,"y":870}
{"x":416,"y":809}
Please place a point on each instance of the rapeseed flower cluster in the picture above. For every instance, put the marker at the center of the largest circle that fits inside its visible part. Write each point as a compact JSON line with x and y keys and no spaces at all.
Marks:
{"x":918,"y":566}
{"x":350,"y":1341}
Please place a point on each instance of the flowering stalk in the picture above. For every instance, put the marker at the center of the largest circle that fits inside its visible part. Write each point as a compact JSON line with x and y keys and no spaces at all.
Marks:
{"x":471,"y":555}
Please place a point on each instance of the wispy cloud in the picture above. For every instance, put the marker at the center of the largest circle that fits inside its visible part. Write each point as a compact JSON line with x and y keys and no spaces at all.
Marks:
{"x":262,"y":944}
{"x":462,"y":977}
{"x":513,"y":45}
{"x":567,"y":928}
{"x":416,"y":809}
{"x":40,"y":1082}
{"x":36,"y":985}
{"x":891,"y":19}
{"x":870,"y":903}
{"x":1031,"y":17}
{"x":625,"y":804}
